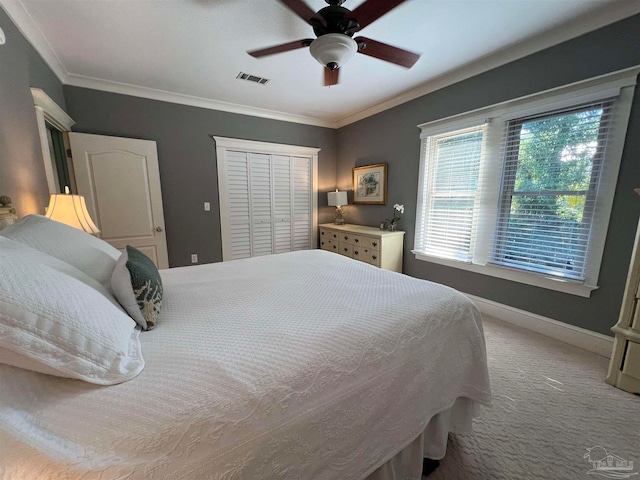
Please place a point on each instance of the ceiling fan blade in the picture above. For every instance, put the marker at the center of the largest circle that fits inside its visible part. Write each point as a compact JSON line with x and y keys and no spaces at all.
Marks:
{"x":331,"y":76}
{"x":386,"y":52}
{"x":303,"y":11}
{"x":285,"y":47}
{"x":371,"y":10}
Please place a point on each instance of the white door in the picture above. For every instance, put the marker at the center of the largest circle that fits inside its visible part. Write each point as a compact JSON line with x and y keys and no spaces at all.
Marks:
{"x":120,"y":180}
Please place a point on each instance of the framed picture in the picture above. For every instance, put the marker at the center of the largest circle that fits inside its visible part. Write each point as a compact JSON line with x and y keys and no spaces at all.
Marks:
{"x":370,"y":184}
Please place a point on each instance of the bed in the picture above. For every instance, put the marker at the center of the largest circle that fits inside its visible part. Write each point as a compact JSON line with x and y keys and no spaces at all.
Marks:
{"x":304,"y":365}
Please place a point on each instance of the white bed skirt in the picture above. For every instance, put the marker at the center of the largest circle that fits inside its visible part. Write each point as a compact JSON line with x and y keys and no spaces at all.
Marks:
{"x":431,"y":443}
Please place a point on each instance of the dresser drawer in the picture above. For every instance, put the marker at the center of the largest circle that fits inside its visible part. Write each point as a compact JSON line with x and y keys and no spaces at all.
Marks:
{"x":345,"y":249}
{"x":325,"y":244}
{"x":346,"y":237}
{"x":371,"y":243}
{"x":373,"y":258}
{"x":366,"y":255}
{"x":631,"y":365}
{"x":326,"y":234}
{"x":329,"y":244}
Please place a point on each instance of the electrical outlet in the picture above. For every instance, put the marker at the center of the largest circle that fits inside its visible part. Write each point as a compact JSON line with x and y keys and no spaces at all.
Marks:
{"x":194,"y":258}
{"x":207,"y":206}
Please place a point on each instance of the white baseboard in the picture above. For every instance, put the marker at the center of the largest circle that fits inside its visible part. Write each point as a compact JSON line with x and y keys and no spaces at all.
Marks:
{"x":576,"y":336}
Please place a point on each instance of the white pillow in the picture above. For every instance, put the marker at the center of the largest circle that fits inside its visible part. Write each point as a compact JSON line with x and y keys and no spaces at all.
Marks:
{"x":53,"y":322}
{"x":95,"y":257}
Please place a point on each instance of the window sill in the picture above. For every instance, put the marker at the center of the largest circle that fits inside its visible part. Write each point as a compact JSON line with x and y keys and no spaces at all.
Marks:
{"x":571,"y":287}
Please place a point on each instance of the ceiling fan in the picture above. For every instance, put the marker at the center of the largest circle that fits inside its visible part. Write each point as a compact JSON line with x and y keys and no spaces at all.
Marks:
{"x":334,"y":27}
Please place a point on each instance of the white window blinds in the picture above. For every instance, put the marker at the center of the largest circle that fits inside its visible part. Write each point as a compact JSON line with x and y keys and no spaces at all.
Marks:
{"x":549,"y":185}
{"x":447,"y":214}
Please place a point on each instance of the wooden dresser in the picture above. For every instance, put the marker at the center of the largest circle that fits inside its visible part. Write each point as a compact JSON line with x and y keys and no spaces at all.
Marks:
{"x":624,"y":367}
{"x":368,"y":244}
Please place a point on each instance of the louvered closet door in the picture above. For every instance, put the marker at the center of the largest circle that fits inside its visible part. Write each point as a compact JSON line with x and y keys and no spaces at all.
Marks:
{"x":282,"y":203}
{"x":261,"y":208}
{"x":301,"y":187}
{"x":269,"y":203}
{"x":238,"y":206}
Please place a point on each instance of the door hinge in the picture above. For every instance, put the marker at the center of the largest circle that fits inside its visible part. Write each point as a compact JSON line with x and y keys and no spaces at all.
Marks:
{"x":69,"y":153}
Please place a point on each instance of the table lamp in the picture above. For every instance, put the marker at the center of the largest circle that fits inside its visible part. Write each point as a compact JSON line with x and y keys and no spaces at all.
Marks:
{"x":337,"y":199}
{"x":71,"y":210}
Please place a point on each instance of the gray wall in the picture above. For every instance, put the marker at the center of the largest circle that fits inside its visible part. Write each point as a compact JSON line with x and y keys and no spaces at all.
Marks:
{"x":187,"y":157}
{"x":392,"y":137}
{"x":22,"y":174}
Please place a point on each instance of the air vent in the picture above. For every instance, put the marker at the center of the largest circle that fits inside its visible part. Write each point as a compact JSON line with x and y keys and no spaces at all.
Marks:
{"x":252,"y":78}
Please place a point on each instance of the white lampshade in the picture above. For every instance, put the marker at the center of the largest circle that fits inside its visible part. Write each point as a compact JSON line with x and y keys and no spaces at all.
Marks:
{"x":333,"y":48}
{"x":337,"y":199}
{"x":71,"y":210}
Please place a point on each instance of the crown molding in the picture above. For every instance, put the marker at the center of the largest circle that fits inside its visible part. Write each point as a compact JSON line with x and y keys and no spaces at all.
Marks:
{"x":182,"y":99}
{"x":29,"y":29}
{"x":580,"y":26}
{"x":599,"y":18}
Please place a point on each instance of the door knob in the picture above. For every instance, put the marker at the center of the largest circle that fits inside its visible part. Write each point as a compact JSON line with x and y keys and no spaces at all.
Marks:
{"x":159,"y":229}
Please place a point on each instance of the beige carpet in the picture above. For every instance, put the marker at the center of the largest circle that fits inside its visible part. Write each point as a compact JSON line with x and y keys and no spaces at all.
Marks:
{"x":550,"y":405}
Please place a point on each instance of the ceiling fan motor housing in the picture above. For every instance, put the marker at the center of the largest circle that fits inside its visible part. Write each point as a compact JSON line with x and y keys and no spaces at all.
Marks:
{"x":336,"y":19}
{"x":333,"y":49}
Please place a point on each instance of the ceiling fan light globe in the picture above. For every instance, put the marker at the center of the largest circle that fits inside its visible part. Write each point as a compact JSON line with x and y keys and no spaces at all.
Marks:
{"x":333,"y":49}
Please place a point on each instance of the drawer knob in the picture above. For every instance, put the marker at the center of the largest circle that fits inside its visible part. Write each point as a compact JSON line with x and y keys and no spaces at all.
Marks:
{"x":334,"y":247}
{"x":375,"y":244}
{"x":357,"y":240}
{"x":374,"y":257}
{"x":321,"y":243}
{"x":346,"y":238}
{"x":335,"y":236}
{"x":346,"y":249}
{"x":321,"y":233}
{"x":356,"y":252}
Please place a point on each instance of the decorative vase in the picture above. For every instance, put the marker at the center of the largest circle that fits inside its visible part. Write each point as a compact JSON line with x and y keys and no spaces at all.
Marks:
{"x":392,"y":227}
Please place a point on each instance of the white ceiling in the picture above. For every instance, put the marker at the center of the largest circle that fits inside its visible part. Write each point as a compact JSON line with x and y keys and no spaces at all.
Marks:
{"x":190,"y":51}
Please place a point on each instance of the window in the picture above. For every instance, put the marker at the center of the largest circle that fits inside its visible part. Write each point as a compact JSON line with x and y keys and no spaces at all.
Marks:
{"x":549,"y":186}
{"x":523,"y":190}
{"x":451,"y":195}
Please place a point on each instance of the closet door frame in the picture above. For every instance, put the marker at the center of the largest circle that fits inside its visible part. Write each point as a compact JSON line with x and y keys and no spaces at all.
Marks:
{"x":225,"y":144}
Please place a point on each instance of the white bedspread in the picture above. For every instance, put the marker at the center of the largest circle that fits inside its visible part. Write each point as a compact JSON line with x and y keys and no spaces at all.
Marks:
{"x":305,"y":365}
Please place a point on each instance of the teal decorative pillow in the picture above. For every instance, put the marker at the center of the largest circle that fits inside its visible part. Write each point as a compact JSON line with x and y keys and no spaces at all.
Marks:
{"x":137,"y":285}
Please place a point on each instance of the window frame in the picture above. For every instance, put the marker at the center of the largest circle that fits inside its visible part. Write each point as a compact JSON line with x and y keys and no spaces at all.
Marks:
{"x":619,"y":84}
{"x":48,"y":112}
